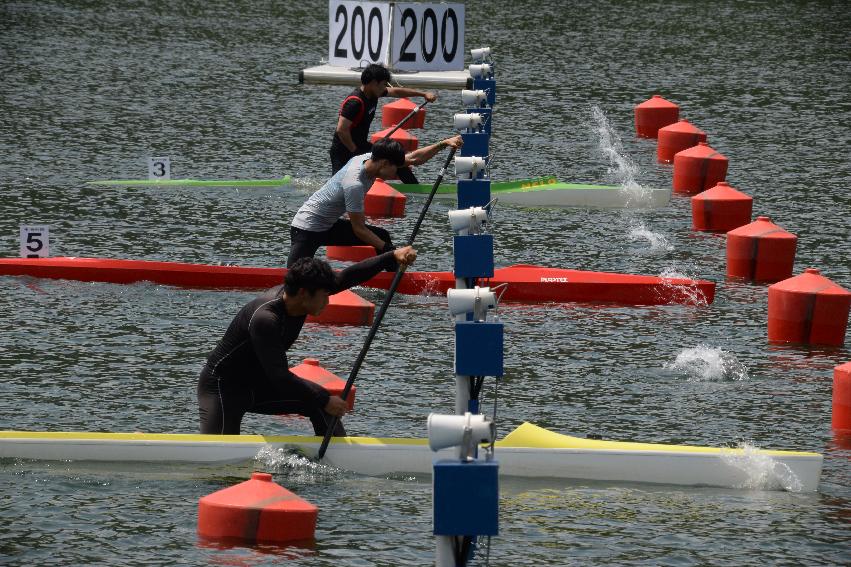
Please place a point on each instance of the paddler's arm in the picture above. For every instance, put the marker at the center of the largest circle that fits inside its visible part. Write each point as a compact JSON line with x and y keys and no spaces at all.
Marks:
{"x":366,"y":269}
{"x":363,"y":233}
{"x":344,"y":132}
{"x":405,"y":92}
{"x":265,"y":334}
{"x":422,"y":155}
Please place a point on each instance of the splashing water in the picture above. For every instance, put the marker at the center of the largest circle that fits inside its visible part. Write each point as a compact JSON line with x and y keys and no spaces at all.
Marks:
{"x":623,"y":169}
{"x":295,"y":464}
{"x":763,"y":472}
{"x":708,"y":363}
{"x":688,"y":293}
{"x":657,"y":241}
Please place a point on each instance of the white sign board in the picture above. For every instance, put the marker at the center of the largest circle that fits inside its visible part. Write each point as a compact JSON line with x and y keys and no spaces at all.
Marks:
{"x":159,"y":168}
{"x":35,"y":241}
{"x":428,"y":37}
{"x":358,"y":33}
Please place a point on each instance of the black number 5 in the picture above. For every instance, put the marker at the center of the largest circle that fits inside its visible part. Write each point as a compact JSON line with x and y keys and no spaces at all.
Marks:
{"x":34,"y":243}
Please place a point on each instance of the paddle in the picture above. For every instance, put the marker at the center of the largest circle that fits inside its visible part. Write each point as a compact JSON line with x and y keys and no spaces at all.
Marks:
{"x":400,"y":271}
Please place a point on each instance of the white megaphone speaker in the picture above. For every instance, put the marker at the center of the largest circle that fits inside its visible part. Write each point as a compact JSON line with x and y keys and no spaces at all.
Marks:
{"x":480,"y":54}
{"x":466,"y":430}
{"x":472,"y":121}
{"x":477,"y":301}
{"x":469,"y":165}
{"x":468,"y":221}
{"x":483,"y":71}
{"x":473,"y":98}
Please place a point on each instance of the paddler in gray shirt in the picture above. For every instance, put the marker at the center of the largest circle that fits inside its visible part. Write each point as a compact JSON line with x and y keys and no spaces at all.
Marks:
{"x":319,"y":221}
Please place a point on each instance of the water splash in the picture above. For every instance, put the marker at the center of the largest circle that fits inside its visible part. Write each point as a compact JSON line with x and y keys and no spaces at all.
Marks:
{"x":680,"y":287}
{"x":658,"y":242}
{"x":708,"y":363}
{"x":294,"y":464}
{"x":762,"y":472}
{"x":621,"y":167}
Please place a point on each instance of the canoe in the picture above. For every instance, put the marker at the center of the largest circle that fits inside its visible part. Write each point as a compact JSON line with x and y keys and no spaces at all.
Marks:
{"x":526,"y":283}
{"x":549,"y":192}
{"x":528,"y":452}
{"x":285,"y":180}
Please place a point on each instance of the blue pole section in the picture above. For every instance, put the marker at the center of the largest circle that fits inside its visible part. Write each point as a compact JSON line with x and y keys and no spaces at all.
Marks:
{"x":466,"y":489}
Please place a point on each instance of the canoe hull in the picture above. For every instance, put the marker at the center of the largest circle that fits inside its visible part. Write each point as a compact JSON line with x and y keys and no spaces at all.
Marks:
{"x":547,"y":192}
{"x":677,"y":465}
{"x":528,"y":284}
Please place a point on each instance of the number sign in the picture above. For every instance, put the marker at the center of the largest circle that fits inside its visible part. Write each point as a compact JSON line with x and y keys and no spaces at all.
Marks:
{"x":358,"y":33}
{"x":428,"y":37}
{"x":159,"y":168}
{"x":35,"y":241}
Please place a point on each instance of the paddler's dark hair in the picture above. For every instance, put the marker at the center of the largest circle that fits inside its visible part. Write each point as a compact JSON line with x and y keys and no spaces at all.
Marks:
{"x":310,"y":274}
{"x":391,"y":150}
{"x":374,"y":72}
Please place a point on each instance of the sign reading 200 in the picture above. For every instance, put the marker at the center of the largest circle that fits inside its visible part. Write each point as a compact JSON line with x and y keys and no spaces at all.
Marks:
{"x":419,"y":37}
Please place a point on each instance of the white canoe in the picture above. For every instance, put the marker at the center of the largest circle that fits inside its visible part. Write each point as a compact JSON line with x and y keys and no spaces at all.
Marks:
{"x":529,"y":451}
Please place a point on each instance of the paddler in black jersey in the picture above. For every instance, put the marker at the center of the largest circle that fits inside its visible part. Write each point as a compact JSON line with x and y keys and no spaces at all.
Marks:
{"x":248,"y":372}
{"x":356,"y":114}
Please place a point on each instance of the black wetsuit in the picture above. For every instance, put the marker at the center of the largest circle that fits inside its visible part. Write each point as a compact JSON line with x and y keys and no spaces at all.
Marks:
{"x":247,"y":372}
{"x":360,"y":110}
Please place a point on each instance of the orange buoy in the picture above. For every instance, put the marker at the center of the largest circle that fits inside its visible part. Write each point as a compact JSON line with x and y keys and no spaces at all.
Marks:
{"x":257,"y":510}
{"x":720,"y":209}
{"x":384,"y":201}
{"x":349,"y":253}
{"x":760,"y":251}
{"x":310,"y":370}
{"x":677,"y":137}
{"x":841,"y":397}
{"x":809,"y":309}
{"x":394,"y":112}
{"x":654,"y":113}
{"x":408,"y":141}
{"x":698,"y":168}
{"x":345,"y":308}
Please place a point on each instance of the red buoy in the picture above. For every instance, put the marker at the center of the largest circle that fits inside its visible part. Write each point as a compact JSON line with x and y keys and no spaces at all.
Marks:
{"x":394,"y":112}
{"x":720,"y":209}
{"x":760,"y":251}
{"x":345,"y":308}
{"x":809,"y":309}
{"x":654,"y":113}
{"x":408,"y":141}
{"x":310,"y":370}
{"x":384,"y":201}
{"x":349,"y":253}
{"x":257,"y":510}
{"x":698,"y":168}
{"x":675,"y":138}
{"x":841,"y":419}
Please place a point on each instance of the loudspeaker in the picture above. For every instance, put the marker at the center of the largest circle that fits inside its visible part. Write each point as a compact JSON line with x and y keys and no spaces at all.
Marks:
{"x":452,"y":430}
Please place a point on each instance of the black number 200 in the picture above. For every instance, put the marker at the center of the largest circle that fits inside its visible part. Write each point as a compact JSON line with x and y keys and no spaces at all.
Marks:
{"x":429,"y":31}
{"x":365,"y":26}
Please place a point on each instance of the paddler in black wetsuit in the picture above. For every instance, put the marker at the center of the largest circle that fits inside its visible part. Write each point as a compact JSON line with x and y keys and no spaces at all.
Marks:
{"x":356,"y":114}
{"x":248,"y":371}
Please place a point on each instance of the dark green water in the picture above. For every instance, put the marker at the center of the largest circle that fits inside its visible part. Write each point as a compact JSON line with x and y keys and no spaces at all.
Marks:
{"x":90,"y":90}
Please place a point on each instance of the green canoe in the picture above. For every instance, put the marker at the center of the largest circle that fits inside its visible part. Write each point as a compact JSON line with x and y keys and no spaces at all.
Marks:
{"x":549,"y":192}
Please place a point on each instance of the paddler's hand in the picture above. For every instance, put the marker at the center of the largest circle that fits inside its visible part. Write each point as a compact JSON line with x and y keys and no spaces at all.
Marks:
{"x":336,"y":406}
{"x":454,"y":142}
{"x":430,"y":96}
{"x":405,"y":256}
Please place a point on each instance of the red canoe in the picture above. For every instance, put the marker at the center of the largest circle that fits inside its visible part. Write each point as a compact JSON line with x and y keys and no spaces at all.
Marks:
{"x":533,"y":284}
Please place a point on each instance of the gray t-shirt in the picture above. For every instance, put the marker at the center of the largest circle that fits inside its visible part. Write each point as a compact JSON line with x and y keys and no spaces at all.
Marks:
{"x":343,"y":193}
